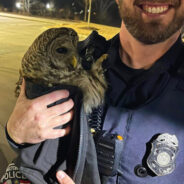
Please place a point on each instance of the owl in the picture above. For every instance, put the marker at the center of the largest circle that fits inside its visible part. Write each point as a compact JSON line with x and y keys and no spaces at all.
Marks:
{"x":53,"y":60}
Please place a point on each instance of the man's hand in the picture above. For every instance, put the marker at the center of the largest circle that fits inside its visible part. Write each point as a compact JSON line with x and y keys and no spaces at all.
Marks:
{"x":63,"y":178}
{"x":32,"y":122}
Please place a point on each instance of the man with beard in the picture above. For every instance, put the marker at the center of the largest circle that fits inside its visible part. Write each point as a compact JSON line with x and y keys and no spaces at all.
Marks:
{"x":143,"y":114}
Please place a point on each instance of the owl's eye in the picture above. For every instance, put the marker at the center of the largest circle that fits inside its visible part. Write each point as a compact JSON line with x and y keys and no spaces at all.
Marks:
{"x":62,"y":50}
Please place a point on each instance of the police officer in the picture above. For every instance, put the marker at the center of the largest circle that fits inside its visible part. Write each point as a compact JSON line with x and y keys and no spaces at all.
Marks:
{"x":144,"y":101}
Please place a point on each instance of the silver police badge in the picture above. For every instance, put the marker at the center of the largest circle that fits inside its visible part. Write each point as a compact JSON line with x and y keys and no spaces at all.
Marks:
{"x":163,"y":154}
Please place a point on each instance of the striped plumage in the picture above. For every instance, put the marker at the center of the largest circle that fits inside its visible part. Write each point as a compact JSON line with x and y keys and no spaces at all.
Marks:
{"x":52,"y":60}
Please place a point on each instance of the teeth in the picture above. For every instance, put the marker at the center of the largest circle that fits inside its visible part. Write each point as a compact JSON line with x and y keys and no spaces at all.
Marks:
{"x":156,"y":9}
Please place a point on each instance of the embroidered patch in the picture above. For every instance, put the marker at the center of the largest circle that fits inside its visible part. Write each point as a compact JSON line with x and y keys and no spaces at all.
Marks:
{"x":14,"y":176}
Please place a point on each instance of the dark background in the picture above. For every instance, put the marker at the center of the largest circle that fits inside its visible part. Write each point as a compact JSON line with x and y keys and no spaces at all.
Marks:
{"x":103,"y":11}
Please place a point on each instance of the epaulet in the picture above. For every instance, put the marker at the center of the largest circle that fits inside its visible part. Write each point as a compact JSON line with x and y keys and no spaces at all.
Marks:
{"x":92,"y":48}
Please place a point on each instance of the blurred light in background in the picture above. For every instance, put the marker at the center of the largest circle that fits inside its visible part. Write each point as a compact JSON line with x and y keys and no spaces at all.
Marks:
{"x":50,"y":6}
{"x":18,"y":5}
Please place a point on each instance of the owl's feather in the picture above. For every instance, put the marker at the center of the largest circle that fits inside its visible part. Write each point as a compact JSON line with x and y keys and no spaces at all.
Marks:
{"x":53,"y":60}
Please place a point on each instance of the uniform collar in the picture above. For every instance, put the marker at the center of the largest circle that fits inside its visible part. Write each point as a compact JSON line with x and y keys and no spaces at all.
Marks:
{"x":168,"y":60}
{"x":157,"y":75}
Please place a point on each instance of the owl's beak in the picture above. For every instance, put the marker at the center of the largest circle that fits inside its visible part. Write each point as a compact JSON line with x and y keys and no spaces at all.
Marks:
{"x":74,"y":62}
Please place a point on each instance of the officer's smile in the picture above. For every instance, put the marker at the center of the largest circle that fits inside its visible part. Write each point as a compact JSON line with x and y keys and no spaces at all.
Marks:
{"x":152,"y":21}
{"x":155,"y":9}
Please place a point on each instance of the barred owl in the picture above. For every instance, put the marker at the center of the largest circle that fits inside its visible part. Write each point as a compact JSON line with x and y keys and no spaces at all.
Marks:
{"x":53,"y":60}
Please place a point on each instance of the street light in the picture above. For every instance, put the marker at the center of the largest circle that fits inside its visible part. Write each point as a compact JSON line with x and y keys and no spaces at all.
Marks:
{"x":89,"y":12}
{"x":50,"y":6}
{"x":18,"y":5}
{"x":23,"y":5}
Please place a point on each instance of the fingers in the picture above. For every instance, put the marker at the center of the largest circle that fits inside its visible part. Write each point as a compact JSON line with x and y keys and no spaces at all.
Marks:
{"x":61,"y":120}
{"x":50,"y":131}
{"x":45,"y":99}
{"x":60,"y":109}
{"x":63,"y":178}
{"x":32,"y":122}
{"x":56,"y":133}
{"x":53,"y":97}
{"x":51,"y":134}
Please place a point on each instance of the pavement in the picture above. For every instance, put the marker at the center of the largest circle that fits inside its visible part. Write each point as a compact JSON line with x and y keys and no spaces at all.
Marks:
{"x":82,"y":28}
{"x":17,"y":32}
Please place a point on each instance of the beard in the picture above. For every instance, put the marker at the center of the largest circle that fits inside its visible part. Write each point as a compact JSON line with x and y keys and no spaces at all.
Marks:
{"x":154,"y":31}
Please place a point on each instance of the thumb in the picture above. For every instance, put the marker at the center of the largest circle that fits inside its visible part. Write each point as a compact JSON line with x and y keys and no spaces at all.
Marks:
{"x":23,"y":87}
{"x":63,"y":178}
